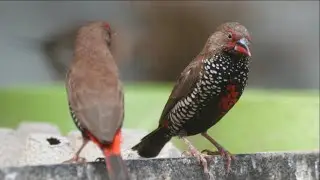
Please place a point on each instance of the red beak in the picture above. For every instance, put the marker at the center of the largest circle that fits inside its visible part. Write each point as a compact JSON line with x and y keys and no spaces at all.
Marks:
{"x":242,"y":46}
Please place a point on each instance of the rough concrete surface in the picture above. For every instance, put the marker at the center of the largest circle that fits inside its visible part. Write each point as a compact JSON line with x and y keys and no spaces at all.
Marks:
{"x":42,"y":143}
{"x":9,"y":153}
{"x":260,"y":166}
{"x":45,"y":149}
{"x":35,"y":151}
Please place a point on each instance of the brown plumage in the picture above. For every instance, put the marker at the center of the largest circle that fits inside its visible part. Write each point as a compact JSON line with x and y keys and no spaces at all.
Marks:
{"x":205,"y":91}
{"x":95,"y":95}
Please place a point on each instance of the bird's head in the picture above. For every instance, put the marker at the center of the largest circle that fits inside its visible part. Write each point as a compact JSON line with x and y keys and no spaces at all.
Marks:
{"x":231,"y":37}
{"x":98,"y":31}
{"x":108,"y":33}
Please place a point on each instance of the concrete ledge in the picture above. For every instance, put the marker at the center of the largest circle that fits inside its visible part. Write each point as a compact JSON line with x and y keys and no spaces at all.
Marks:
{"x":42,"y":144}
{"x":260,"y":166}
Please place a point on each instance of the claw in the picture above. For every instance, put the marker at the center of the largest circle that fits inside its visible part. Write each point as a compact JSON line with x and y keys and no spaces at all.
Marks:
{"x":210,"y":153}
{"x":100,"y":160}
{"x":76,"y":158}
{"x":224,"y":153}
{"x":185,"y":153}
{"x":210,"y":176}
{"x":200,"y":157}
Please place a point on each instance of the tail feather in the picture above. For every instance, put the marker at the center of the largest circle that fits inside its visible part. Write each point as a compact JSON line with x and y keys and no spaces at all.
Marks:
{"x":152,"y":144}
{"x":117,"y":169}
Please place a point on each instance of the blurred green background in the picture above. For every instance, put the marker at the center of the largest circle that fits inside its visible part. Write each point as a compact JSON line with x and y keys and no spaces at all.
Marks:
{"x":272,"y":120}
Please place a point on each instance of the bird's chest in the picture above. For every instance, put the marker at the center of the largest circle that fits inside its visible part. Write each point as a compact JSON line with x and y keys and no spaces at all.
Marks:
{"x":220,"y":87}
{"x":224,"y":84}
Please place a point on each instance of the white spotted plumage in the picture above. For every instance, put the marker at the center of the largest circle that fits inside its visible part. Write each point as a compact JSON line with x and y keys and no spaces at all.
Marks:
{"x":216,"y":73}
{"x":75,"y":119}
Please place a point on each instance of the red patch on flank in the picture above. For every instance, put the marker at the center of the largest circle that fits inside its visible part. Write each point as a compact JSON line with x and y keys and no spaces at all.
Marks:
{"x":228,"y":101}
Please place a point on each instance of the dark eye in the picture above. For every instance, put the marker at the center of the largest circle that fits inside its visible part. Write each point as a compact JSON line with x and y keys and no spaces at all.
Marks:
{"x":230,"y":36}
{"x":108,"y":41}
{"x":109,"y":33}
{"x":108,"y":38}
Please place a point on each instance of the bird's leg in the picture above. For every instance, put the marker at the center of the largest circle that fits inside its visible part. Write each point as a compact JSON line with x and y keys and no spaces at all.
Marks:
{"x":76,"y":157}
{"x":222,"y":151}
{"x":194,"y":152}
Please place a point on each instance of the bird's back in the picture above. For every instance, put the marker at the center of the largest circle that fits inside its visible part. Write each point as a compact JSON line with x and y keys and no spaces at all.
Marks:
{"x":95,"y":95}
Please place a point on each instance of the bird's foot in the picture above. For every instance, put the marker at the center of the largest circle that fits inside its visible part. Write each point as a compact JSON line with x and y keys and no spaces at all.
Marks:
{"x":100,"y":159}
{"x":200,"y":157}
{"x":75,"y":159}
{"x":202,"y":160}
{"x":224,"y":153}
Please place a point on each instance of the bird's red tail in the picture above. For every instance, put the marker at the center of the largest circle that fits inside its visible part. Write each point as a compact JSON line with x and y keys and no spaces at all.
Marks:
{"x":117,"y":169}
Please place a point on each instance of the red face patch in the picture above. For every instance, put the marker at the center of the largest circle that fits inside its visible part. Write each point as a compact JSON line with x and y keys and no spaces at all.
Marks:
{"x":107,"y":26}
{"x":235,"y":35}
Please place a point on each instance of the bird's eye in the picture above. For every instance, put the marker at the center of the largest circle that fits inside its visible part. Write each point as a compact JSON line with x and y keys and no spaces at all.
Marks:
{"x":108,"y":38}
{"x":230,"y":36}
{"x":109,"y":43}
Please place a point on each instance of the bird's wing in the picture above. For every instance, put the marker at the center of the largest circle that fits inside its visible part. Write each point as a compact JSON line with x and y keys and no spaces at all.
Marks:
{"x":184,"y":85}
{"x":97,"y":101}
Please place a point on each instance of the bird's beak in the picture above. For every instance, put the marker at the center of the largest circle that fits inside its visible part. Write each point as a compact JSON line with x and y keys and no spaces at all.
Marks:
{"x":242,"y":46}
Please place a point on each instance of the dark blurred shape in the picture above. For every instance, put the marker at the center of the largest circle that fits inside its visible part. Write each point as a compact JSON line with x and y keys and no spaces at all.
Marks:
{"x":53,"y":141}
{"x":163,"y":37}
{"x":58,"y":50}
{"x":176,"y":33}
